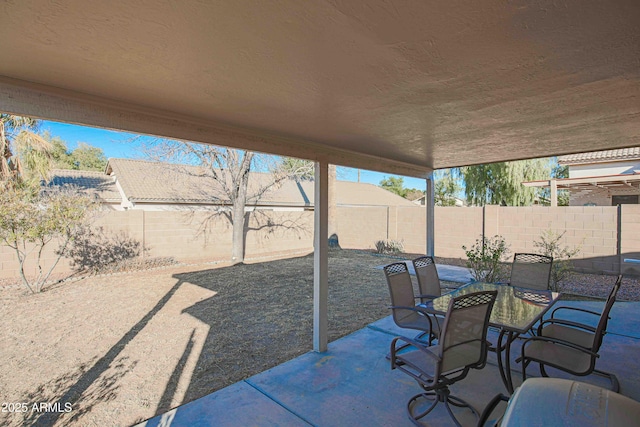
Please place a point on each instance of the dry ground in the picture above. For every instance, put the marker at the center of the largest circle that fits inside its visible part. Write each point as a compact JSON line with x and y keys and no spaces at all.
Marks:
{"x":122,"y":348}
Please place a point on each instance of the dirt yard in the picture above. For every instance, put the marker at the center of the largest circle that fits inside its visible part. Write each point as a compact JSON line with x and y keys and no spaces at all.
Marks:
{"x":118,"y":349}
{"x":122,"y":348}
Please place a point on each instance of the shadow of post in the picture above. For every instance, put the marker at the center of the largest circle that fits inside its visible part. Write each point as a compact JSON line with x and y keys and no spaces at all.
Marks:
{"x":74,"y":392}
{"x":170,"y":390}
{"x":253,"y":325}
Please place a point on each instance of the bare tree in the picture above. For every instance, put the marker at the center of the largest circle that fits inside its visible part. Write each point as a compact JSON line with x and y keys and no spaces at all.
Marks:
{"x":228,"y":169}
{"x":300,"y":169}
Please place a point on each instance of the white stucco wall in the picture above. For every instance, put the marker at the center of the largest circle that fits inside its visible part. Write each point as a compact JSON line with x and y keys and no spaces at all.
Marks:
{"x":600,"y":169}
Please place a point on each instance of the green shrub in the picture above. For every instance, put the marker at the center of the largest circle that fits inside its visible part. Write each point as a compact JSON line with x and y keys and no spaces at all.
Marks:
{"x":485,"y":259}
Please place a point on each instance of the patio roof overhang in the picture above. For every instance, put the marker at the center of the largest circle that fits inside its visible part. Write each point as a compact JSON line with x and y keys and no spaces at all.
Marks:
{"x":403,"y":87}
{"x":397,"y":87}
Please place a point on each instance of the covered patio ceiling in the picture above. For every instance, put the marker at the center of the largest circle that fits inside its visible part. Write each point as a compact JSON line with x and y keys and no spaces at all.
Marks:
{"x":401,"y":87}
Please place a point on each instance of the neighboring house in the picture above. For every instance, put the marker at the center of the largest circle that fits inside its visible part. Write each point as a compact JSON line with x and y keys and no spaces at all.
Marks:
{"x":423,"y":201}
{"x":138,"y":184}
{"x":599,"y":178}
{"x":100,"y":184}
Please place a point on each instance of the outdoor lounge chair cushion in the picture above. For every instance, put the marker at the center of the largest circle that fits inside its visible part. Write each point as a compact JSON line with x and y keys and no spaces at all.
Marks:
{"x":561,"y":402}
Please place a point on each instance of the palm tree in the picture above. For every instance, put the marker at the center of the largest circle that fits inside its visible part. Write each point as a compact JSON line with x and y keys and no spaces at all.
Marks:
{"x":26,"y":156}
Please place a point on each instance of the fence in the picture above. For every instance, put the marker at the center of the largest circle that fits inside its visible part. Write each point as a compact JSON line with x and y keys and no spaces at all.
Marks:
{"x":605,"y":235}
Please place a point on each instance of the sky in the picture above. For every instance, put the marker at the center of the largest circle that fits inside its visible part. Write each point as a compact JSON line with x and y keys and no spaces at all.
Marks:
{"x":126,"y":145}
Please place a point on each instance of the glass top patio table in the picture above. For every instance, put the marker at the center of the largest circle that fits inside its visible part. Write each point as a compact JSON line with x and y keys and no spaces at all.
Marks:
{"x":516,"y":309}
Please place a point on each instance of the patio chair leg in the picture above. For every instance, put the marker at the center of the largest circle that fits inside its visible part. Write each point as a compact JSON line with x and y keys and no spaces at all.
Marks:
{"x":420,"y":337}
{"x":525,"y":363}
{"x":441,"y":395}
{"x":543,"y":371}
{"x":427,"y":396}
{"x":456,"y":401}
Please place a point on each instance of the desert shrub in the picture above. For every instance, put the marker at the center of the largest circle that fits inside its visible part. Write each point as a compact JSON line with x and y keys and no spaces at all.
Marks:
{"x":485,"y":259}
{"x":94,"y":249}
{"x":389,"y":246}
{"x":550,"y":244}
{"x":32,"y":220}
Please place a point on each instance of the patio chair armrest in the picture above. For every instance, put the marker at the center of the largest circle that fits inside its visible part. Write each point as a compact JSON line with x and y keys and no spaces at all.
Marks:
{"x":424,"y":312}
{"x":583,"y":310}
{"x":407,"y":307}
{"x":413,"y":343}
{"x":563,"y":322}
{"x":554,"y":341}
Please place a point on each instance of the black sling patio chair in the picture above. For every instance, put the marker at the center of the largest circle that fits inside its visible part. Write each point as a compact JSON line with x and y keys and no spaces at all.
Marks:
{"x":462,"y":346}
{"x":428,"y":280}
{"x":570,"y":346}
{"x":531,"y":271}
{"x":403,"y":304}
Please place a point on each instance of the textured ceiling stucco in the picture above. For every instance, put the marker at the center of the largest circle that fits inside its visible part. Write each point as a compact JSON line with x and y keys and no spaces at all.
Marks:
{"x":435,"y":84}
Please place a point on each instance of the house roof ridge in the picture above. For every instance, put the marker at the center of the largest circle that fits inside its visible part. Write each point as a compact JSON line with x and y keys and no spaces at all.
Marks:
{"x":77,"y":171}
{"x":142,"y":180}
{"x":165,"y":164}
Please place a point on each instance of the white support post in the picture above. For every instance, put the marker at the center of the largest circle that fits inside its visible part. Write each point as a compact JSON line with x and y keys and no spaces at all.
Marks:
{"x":554,"y":192}
{"x":320,"y":257}
{"x":430,"y":201}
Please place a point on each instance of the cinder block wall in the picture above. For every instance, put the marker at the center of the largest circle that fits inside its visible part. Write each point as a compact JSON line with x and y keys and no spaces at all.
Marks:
{"x":593,"y":229}
{"x":276,"y":233}
{"x":183,"y":236}
{"x":411,"y":228}
{"x":361,"y":227}
{"x":186,"y":236}
{"x":180,"y":234}
{"x":630,"y":241}
{"x":455,"y":227}
{"x":130,"y":222}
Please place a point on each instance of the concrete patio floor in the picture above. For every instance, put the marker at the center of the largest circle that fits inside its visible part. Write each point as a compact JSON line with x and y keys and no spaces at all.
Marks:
{"x":352,"y":383}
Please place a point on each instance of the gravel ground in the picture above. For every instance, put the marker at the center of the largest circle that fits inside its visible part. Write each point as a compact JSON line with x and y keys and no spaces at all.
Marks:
{"x":598,"y":286}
